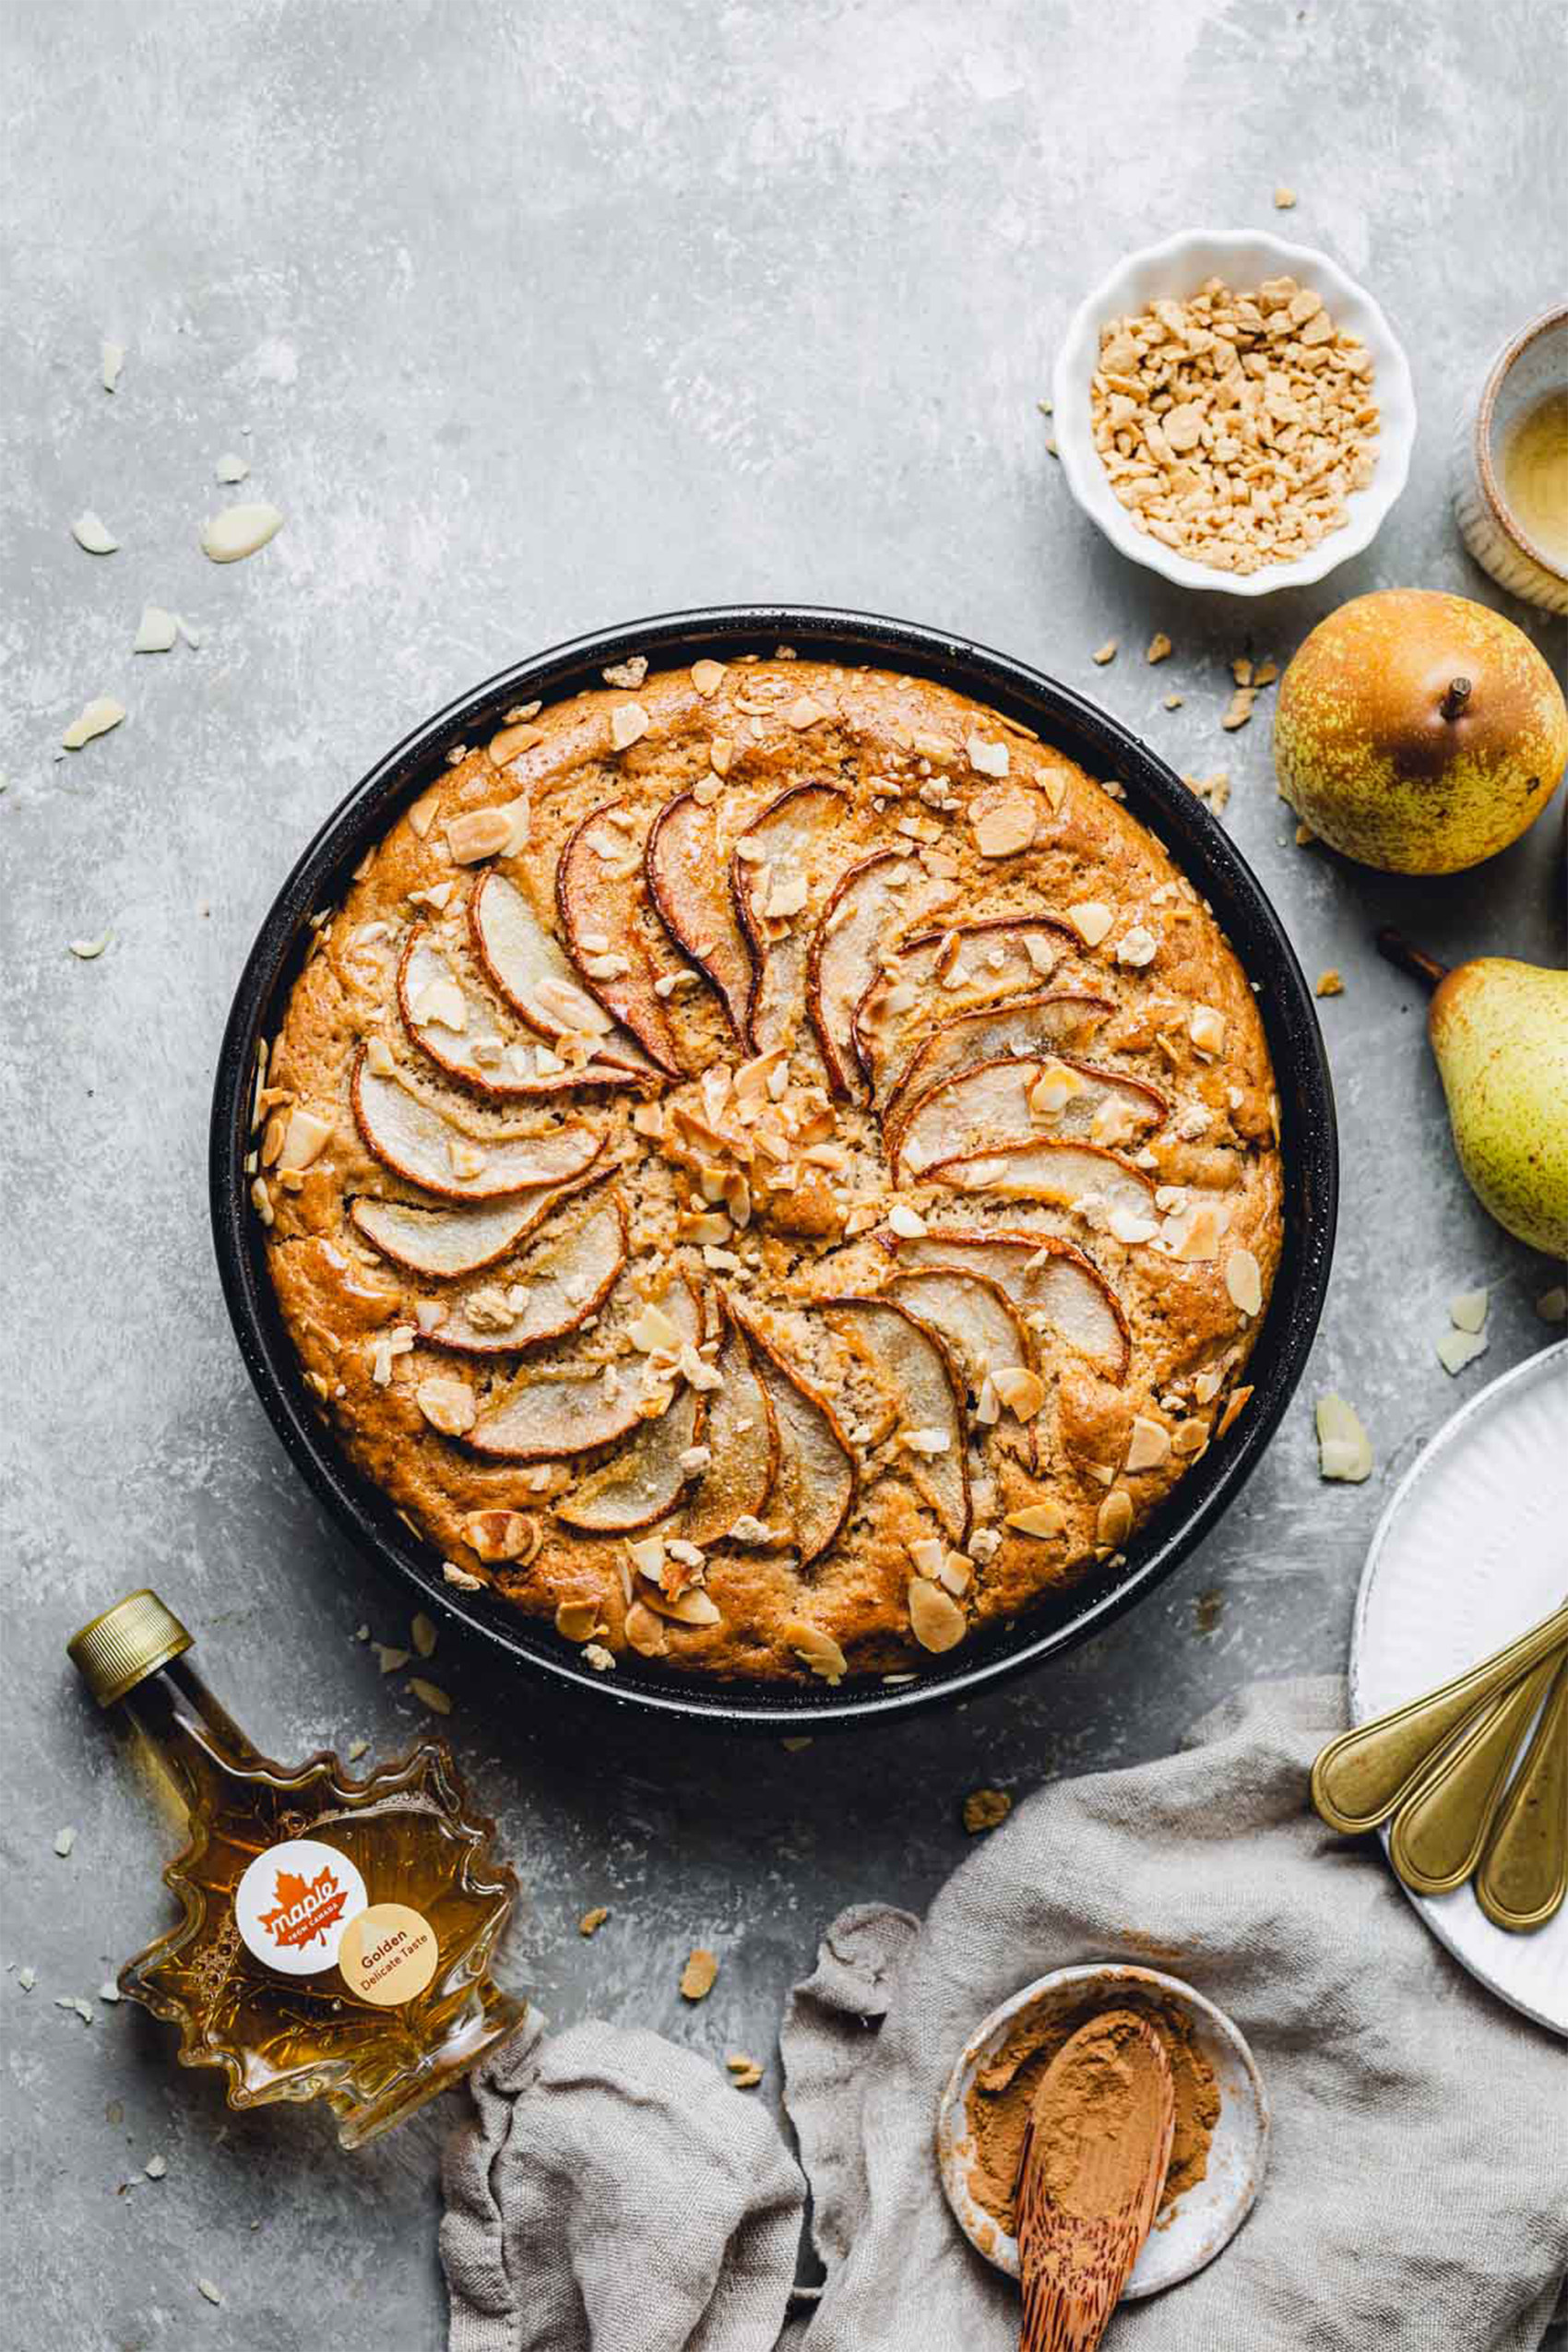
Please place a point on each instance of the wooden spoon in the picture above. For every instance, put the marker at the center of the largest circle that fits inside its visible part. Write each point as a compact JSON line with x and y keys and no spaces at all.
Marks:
{"x":1093,"y":2164}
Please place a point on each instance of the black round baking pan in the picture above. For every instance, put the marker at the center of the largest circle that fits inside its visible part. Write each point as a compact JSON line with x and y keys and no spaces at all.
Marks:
{"x":1154,"y":794}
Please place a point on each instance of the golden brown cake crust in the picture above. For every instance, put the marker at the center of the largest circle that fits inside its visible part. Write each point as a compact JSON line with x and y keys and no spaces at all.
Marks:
{"x":860,"y":1504}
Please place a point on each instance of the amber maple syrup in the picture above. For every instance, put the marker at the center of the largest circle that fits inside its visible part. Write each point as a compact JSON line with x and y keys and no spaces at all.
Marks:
{"x":338,"y":1932}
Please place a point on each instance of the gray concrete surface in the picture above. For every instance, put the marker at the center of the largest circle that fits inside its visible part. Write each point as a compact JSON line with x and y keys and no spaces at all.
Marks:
{"x":531,"y":318}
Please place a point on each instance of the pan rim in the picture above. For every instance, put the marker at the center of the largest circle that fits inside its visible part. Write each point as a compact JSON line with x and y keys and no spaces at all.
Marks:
{"x":1155,"y":794}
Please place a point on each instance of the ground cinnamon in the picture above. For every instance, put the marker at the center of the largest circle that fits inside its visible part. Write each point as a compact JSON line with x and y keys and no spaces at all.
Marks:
{"x":1003,"y":2092}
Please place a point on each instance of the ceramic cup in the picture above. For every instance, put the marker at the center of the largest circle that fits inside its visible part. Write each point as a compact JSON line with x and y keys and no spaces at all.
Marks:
{"x":1533,"y":363}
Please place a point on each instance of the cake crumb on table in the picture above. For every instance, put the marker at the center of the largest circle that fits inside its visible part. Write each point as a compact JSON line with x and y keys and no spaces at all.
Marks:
{"x":986,"y":1809}
{"x":1329,"y":984}
{"x":700,"y":1974}
{"x":1107,"y":652}
{"x":591,"y":1921}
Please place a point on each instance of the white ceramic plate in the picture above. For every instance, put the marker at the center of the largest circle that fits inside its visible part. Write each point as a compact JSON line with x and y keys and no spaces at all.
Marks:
{"x":1472,"y":1551}
{"x":1243,"y":258}
{"x":1208,"y":2217}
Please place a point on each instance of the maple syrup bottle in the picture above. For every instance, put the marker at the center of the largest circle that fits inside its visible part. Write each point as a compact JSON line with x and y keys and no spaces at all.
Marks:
{"x":336,"y":1933}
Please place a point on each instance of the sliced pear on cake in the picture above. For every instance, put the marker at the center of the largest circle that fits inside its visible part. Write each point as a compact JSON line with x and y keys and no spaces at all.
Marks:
{"x":1013,"y":1099}
{"x":643,"y":1482}
{"x":599,"y":888}
{"x":771,"y":874}
{"x":972,"y":1313}
{"x":863,"y":907}
{"x":917,"y":1367}
{"x":527,"y":966}
{"x":742,"y":1438}
{"x":1035,"y":1025}
{"x":997,"y":956}
{"x":566,"y":1281}
{"x":572,"y":1408}
{"x":816,"y":1486}
{"x":455,"y":1028}
{"x":1064,"y":1174}
{"x":441,"y":1243}
{"x":688,"y":880}
{"x":419,"y":1143}
{"x":1053,"y":1284}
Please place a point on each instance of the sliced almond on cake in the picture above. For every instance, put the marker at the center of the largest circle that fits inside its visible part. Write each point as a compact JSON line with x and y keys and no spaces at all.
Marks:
{"x":599,"y":888}
{"x":770,"y":876}
{"x":457,"y":1029}
{"x":972,"y":1313}
{"x":997,"y":956}
{"x":815,"y":1485}
{"x":1044,"y":1278}
{"x":1024,"y":1025}
{"x":418,"y":1142}
{"x":527,"y":966}
{"x":1062,"y":1173}
{"x":741,"y":1436}
{"x":568,"y":1280}
{"x":643,"y":1482}
{"x":444,"y":1242}
{"x":1013,"y":1099}
{"x":688,"y":880}
{"x":864,"y":905}
{"x":929,"y":1392}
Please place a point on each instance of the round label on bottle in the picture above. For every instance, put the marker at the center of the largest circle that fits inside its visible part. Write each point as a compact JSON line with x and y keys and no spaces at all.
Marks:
{"x":293,"y":1904}
{"x":388,"y":1954}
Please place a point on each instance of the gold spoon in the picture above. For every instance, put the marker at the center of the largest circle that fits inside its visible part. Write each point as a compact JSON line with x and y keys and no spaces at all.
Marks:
{"x":1439,"y":1831}
{"x":1362,"y":1778}
{"x":1523,"y":1872}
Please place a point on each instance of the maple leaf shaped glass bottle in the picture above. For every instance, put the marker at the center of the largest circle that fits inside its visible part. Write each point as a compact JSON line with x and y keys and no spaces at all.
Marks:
{"x":338,"y":1932}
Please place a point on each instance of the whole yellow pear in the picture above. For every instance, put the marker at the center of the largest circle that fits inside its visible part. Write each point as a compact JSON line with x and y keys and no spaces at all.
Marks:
{"x":1418,"y":731}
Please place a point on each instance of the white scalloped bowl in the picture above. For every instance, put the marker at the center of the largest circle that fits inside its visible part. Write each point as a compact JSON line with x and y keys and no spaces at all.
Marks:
{"x":1243,"y":258}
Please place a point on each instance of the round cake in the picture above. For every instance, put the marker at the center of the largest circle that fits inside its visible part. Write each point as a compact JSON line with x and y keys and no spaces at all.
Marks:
{"x":771,"y":1169}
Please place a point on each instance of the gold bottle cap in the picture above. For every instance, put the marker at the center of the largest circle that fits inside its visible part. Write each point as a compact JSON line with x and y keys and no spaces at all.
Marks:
{"x":126,"y":1644}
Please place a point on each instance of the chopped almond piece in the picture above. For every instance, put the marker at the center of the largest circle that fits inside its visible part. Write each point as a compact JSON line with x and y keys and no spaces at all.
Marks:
{"x":1150,"y":1446}
{"x":1244,"y":1281}
{"x":1160,"y":648}
{"x":628,"y":723}
{"x":1107,"y":652}
{"x":1329,"y":984}
{"x":700,"y":1974}
{"x":1037,"y":1519}
{"x":1091,"y":918}
{"x":591,"y":1921}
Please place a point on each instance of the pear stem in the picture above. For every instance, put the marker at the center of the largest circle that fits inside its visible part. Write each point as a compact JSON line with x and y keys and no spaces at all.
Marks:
{"x":1456,"y":696}
{"x":1397,"y":950}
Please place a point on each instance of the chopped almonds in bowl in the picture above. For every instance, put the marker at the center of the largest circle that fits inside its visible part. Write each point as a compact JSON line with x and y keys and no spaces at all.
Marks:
{"x":1234,"y":411}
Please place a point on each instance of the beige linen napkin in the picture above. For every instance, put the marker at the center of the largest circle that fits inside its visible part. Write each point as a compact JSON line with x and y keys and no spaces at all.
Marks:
{"x":1416,"y":2194}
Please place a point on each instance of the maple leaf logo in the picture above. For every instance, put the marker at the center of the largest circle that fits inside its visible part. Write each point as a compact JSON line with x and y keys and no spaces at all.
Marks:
{"x":304,"y":1909}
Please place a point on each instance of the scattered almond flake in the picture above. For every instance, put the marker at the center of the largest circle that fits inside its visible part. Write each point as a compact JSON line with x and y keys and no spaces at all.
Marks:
{"x":64,"y":1839}
{"x":1091,"y":918}
{"x":1022,"y":1391}
{"x":803,"y":712}
{"x":239,"y":532}
{"x":230,"y":468}
{"x":1552,"y":1305}
{"x":102,"y":713}
{"x":390,"y":1660}
{"x":1214,"y":789}
{"x":591,"y":1921}
{"x":1126,"y":1226}
{"x":1113,"y":1522}
{"x":479,"y":833}
{"x":1172,"y":702}
{"x":1244,"y":1282}
{"x":1206,"y":1029}
{"x":628,"y":723}
{"x":204,"y":2287}
{"x":1160,"y":648}
{"x":1005,"y":823}
{"x":956,"y":1572}
{"x":908,"y":1223}
{"x":1457,"y":1348}
{"x":1138,"y":946}
{"x":1107,"y":652}
{"x":88,"y":950}
{"x":601,"y":1661}
{"x":930,"y":1441}
{"x":1343,"y":1449}
{"x":1241,"y":671}
{"x":708,"y":677}
{"x":1467,"y":1310}
{"x":1037,"y":1519}
{"x":1235,"y":1404}
{"x":936,"y":1618}
{"x":157,"y":631}
{"x":629,"y":673}
{"x":1329,"y":984}
{"x":156,"y":2168}
{"x":422,"y":1633}
{"x":607,"y":968}
{"x":987,"y":758}
{"x":814,"y":1649}
{"x":1239,"y":709}
{"x":191,"y":633}
{"x":1284,"y":198}
{"x":700,"y":1974}
{"x":111,"y":359}
{"x":109,"y":1991}
{"x":90,"y":531}
{"x":1265,"y":674}
{"x":75,"y":2004}
{"x":520,"y":713}
{"x":745,"y":2074}
{"x":430,"y":1695}
{"x":466,"y":1159}
{"x":27,"y":1978}
{"x":986,"y":1809}
{"x":1150,"y":1446}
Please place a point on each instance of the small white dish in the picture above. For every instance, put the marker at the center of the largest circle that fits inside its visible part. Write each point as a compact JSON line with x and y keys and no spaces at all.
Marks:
{"x":1243,"y":258}
{"x":1468,"y":1555}
{"x":1208,"y":2217}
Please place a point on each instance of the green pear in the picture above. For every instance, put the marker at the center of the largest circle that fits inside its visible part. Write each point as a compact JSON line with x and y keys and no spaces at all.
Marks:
{"x":1499,"y":1033}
